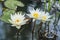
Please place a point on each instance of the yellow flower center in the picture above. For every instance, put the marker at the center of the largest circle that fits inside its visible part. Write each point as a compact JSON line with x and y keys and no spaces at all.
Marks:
{"x":44,"y":18}
{"x":17,"y":21}
{"x":35,"y":15}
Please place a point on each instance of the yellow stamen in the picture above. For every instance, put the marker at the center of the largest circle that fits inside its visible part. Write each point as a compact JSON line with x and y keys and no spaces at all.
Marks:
{"x":17,"y":20}
{"x":44,"y":18}
{"x":35,"y":15}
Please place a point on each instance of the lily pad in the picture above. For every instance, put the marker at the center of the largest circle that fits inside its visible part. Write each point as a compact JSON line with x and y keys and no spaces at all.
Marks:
{"x":12,"y":4}
{"x":6,"y":15}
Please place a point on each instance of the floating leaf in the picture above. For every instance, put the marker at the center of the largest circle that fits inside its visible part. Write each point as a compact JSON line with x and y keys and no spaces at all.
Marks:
{"x":12,"y":4}
{"x":18,"y":3}
{"x":1,"y":0}
{"x":6,"y":15}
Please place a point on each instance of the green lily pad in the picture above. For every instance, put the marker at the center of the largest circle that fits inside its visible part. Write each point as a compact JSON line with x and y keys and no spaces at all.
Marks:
{"x":6,"y":15}
{"x":12,"y":4}
{"x":1,"y":0}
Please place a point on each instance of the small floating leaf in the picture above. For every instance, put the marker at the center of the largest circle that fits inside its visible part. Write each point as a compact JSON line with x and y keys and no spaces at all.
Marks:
{"x":12,"y":4}
{"x":6,"y":15}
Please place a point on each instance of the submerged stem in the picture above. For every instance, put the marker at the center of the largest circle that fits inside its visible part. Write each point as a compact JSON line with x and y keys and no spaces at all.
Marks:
{"x":39,"y":30}
{"x":17,"y":34}
{"x":33,"y":29}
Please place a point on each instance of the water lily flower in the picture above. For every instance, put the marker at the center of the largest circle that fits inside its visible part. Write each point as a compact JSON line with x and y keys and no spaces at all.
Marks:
{"x":17,"y":20}
{"x":45,"y":17}
{"x":35,"y":14}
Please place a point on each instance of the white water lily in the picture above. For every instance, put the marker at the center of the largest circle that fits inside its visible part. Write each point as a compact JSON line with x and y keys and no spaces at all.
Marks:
{"x":45,"y":17}
{"x":17,"y":20}
{"x":35,"y":14}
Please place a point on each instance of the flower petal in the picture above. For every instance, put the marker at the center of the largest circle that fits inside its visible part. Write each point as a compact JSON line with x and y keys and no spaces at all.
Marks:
{"x":18,"y":27}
